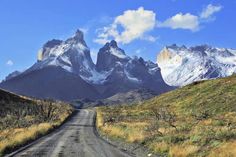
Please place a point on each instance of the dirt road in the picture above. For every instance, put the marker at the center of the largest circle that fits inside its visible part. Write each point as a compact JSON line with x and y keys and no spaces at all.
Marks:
{"x":76,"y":138}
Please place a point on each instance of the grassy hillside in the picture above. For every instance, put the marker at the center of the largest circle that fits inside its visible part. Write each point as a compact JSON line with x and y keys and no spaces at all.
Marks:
{"x":195,"y":120}
{"x":24,"y":119}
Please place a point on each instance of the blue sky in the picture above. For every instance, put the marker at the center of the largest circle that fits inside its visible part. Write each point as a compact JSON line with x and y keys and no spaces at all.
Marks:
{"x":142,"y":27}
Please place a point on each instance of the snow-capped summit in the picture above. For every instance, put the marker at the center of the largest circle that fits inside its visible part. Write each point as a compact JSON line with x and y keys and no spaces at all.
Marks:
{"x":182,"y":65}
{"x":78,"y":38}
{"x":55,"y":48}
{"x":44,"y":52}
{"x":110,"y":55}
{"x":73,"y":55}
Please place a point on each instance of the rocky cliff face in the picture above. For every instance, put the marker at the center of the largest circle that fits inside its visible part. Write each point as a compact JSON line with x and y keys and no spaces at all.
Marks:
{"x":182,"y":65}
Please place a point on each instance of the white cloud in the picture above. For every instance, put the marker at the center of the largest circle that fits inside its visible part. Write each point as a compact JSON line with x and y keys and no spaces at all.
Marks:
{"x":134,"y":24}
{"x":9,"y":63}
{"x":131,"y":25}
{"x":209,"y":11}
{"x":181,"y":21}
{"x":189,"y":21}
{"x":101,"y":41}
{"x":149,"y":38}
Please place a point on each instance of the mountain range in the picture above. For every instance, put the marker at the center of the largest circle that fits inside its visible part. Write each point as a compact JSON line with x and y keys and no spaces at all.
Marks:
{"x":65,"y":71}
{"x":181,"y":65}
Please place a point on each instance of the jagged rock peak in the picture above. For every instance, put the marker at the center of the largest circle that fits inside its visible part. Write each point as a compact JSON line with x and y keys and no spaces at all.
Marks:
{"x":77,"y":38}
{"x":55,"y":47}
{"x":193,"y":48}
{"x":111,"y":49}
{"x":52,"y":43}
{"x":175,"y":47}
{"x":79,"y":35}
{"x":200,"y":47}
{"x":112,"y":44}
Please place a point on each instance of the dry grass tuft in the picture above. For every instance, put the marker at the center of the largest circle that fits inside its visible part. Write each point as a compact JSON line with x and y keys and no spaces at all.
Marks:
{"x":19,"y":136}
{"x":227,"y":149}
{"x":183,"y":150}
{"x":161,"y":147}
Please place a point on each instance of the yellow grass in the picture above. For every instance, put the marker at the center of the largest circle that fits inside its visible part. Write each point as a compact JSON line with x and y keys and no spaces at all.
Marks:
{"x":135,"y":124}
{"x":227,"y":149}
{"x":134,"y":134}
{"x":99,"y":120}
{"x":183,"y":150}
{"x":161,"y":147}
{"x":114,"y":131}
{"x":22,"y":135}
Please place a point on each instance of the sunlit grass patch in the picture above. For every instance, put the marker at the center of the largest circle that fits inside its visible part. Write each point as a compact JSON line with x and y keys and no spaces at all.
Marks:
{"x":183,"y":150}
{"x":227,"y":149}
{"x":20,"y":136}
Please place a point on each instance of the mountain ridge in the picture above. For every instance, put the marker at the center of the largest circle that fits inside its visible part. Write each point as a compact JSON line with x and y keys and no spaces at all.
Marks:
{"x":113,"y":73}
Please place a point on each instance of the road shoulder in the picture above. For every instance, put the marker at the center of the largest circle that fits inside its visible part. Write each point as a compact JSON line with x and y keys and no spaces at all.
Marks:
{"x":131,"y":149}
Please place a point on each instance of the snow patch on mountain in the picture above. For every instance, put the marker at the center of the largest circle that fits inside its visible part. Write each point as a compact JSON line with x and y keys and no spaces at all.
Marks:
{"x":97,"y":77}
{"x":181,"y":65}
{"x":117,"y":53}
{"x":131,"y":78}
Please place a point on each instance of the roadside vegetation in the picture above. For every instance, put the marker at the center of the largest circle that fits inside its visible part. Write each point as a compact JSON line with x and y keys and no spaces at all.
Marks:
{"x":195,"y":120}
{"x":23,"y":119}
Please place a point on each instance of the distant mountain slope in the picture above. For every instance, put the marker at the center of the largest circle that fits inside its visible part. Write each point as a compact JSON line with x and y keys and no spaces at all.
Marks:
{"x":13,"y":74}
{"x":182,"y":65}
{"x":11,"y":97}
{"x":196,"y":120}
{"x":65,"y":71}
{"x":51,"y":82}
{"x":133,"y":96}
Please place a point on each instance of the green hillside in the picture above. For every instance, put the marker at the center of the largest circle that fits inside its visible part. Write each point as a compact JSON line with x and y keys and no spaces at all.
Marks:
{"x":24,"y":119}
{"x":195,"y":120}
